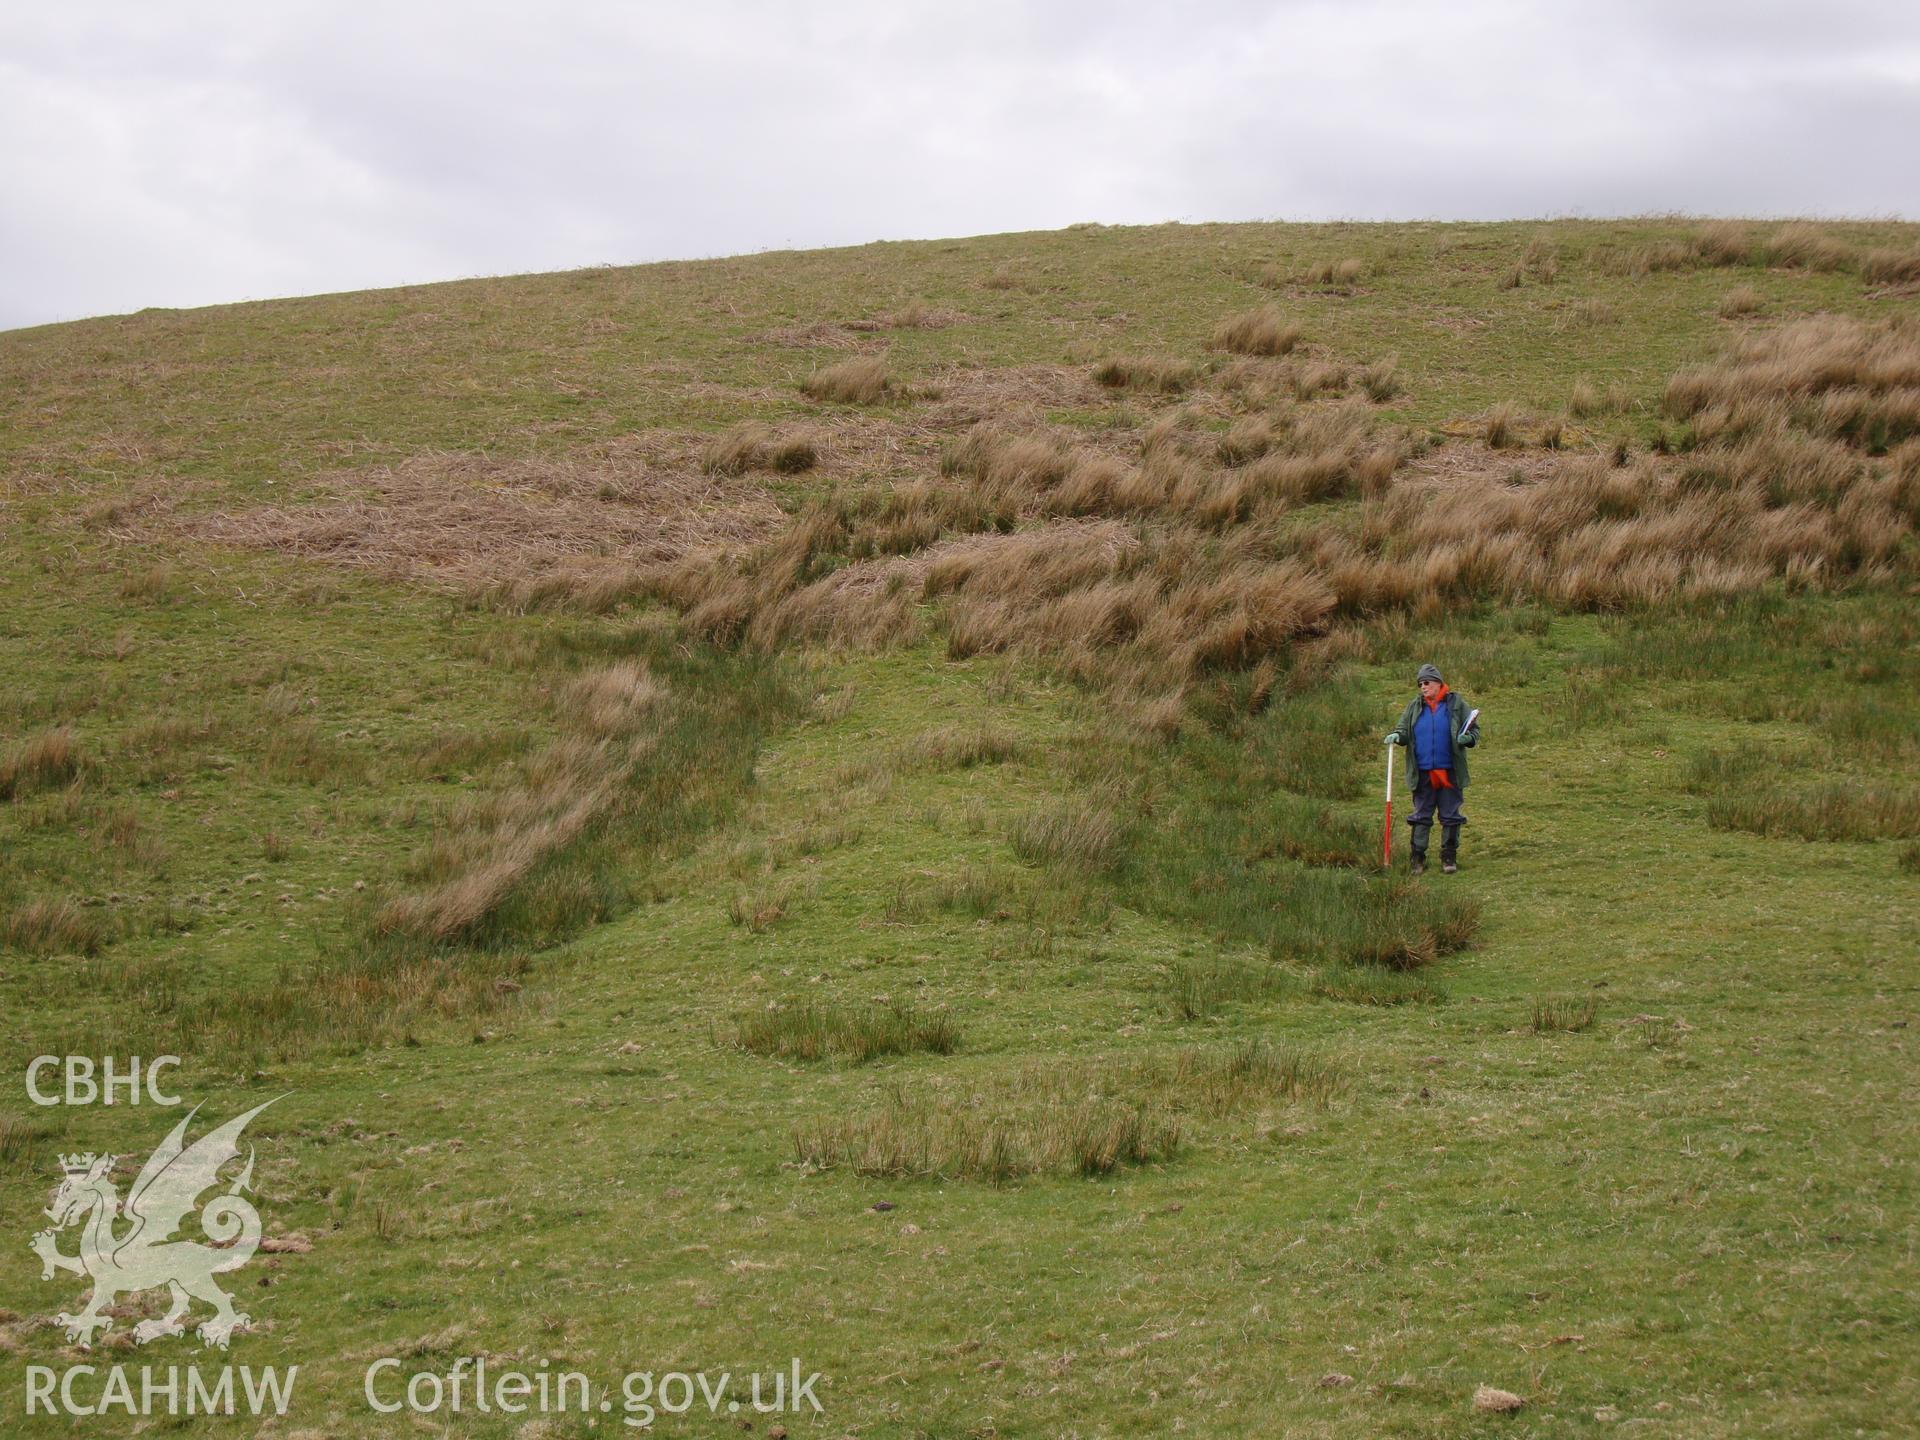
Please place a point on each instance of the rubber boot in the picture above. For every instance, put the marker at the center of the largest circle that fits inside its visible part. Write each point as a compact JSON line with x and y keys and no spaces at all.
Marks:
{"x":1418,"y":864}
{"x":1449,"y":849}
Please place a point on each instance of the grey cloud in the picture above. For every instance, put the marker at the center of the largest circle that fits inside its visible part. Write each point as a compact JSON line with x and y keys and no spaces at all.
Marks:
{"x":201,"y":152}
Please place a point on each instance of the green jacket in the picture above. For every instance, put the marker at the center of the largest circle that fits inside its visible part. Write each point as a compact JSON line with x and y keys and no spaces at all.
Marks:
{"x":1457,"y":708}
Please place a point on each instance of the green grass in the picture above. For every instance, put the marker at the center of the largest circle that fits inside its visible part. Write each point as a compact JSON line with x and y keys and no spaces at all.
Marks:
{"x":1023,"y":1067}
{"x":806,"y":1031}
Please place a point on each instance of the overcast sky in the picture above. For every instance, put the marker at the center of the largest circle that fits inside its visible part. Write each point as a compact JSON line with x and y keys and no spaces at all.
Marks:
{"x":182,"y":153}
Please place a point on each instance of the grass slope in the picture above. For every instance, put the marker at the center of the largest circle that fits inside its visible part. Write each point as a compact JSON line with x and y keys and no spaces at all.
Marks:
{"x":1175,"y":1117}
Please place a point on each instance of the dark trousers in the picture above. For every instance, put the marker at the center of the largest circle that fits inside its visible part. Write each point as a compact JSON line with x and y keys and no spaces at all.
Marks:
{"x":1427,"y":798}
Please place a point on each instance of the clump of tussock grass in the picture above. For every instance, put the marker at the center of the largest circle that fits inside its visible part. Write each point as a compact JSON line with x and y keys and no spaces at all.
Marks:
{"x":1087,"y":1118}
{"x":1741,"y":300}
{"x":1831,"y":375}
{"x":814,"y":1030}
{"x":1890,"y":267}
{"x":1723,"y":243}
{"x":861,"y":381}
{"x":1587,"y":399}
{"x":1660,"y":257}
{"x":1153,"y":374}
{"x":1254,"y":1072}
{"x":1779,"y":481}
{"x":154,"y":584}
{"x":1799,"y":245}
{"x":956,"y":1137}
{"x":52,"y":927}
{"x":1319,"y":377}
{"x":1372,"y":985}
{"x":759,"y":909}
{"x":611,"y":700}
{"x":1657,"y":1032}
{"x":1326,"y":454}
{"x":1265,"y":330}
{"x":1562,"y":1013}
{"x":1142,"y":599}
{"x":1541,"y":260}
{"x":1594,"y":311}
{"x":1502,"y":427}
{"x":983,"y":891}
{"x":1201,"y":989}
{"x":1710,"y":772}
{"x":1777,"y":636}
{"x":755,"y":446}
{"x":1110,"y":600}
{"x":1008,"y":466}
{"x":1835,"y":810}
{"x":793,"y":586}
{"x":168,"y":745}
{"x":1308,"y":737}
{"x":1248,"y":438}
{"x":961,"y":747}
{"x":356,"y":992}
{"x":1342,"y":274}
{"x":301,"y":751}
{"x":556,"y":846}
{"x":43,"y":761}
{"x":449,"y":753}
{"x":1381,"y":379}
{"x":19,"y":1138}
{"x":1077,"y":833}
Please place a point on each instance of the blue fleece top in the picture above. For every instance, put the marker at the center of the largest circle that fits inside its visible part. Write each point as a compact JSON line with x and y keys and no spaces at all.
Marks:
{"x":1433,"y":737}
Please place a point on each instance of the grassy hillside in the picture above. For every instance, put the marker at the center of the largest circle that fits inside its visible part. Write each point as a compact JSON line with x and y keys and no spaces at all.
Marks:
{"x":827,"y":805}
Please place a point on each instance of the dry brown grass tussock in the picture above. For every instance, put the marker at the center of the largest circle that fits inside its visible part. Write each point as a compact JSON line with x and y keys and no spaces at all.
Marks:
{"x":1588,"y":399}
{"x":491,"y":845}
{"x":1724,"y":242}
{"x":994,"y":547}
{"x":1265,"y":330}
{"x":52,"y":757}
{"x":612,"y":700}
{"x":1891,"y":267}
{"x":1145,"y":570}
{"x":751,"y":445}
{"x":1343,"y":273}
{"x":1801,"y":245}
{"x":851,"y":382}
{"x":1779,"y":483}
{"x":1154,"y":374}
{"x":1831,"y":374}
{"x":52,"y":927}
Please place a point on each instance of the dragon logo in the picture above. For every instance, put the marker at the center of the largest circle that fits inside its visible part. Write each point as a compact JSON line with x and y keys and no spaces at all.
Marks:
{"x":144,"y":1255}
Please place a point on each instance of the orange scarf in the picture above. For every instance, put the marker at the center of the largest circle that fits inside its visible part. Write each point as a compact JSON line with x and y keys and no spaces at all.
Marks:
{"x":1439,"y":779}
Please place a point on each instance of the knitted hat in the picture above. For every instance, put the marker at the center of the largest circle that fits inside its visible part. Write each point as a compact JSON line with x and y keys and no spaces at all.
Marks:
{"x":1428,"y":672}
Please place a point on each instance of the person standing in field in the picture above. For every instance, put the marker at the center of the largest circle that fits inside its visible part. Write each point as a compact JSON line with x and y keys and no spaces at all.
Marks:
{"x":1439,"y":728}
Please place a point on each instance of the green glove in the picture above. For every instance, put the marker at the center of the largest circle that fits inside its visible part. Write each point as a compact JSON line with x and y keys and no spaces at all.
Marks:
{"x":1393,"y":738}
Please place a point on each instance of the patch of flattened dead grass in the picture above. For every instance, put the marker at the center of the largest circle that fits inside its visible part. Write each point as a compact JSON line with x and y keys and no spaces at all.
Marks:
{"x":967,"y":396}
{"x":466,"y":519}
